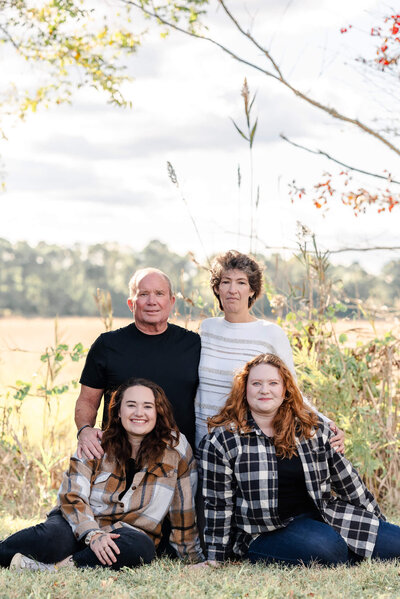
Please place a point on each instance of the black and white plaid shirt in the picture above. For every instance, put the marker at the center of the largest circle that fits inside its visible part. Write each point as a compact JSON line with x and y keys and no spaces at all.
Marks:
{"x":240,"y":489}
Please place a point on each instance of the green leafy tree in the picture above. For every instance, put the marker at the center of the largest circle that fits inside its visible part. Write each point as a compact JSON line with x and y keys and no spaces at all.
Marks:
{"x":67,"y":46}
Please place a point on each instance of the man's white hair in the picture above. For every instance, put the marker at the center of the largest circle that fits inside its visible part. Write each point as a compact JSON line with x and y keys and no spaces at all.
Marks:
{"x":142,"y":272}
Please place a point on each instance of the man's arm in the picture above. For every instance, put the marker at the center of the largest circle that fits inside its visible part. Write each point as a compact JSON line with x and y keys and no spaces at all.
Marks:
{"x":86,"y":408}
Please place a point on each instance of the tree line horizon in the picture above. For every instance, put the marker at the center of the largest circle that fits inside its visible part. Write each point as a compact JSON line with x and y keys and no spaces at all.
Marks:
{"x":50,"y":280}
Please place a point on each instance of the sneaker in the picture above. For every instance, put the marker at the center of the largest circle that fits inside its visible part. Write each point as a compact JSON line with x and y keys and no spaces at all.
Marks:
{"x":21,"y":562}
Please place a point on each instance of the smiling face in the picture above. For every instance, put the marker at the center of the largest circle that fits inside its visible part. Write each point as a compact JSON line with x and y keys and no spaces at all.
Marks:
{"x":265,"y":390}
{"x":151,"y":303}
{"x":234,"y":292}
{"x":138,"y":411}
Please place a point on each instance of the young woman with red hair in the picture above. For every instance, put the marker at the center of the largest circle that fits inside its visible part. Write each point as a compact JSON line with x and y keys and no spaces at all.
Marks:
{"x":273,"y":486}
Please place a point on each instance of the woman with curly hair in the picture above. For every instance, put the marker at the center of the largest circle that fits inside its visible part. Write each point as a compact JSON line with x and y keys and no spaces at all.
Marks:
{"x":110,"y":510}
{"x":274,"y":488}
{"x":228,"y":342}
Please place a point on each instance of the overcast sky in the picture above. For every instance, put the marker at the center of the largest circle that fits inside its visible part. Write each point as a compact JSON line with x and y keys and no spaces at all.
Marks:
{"x":91,"y":172}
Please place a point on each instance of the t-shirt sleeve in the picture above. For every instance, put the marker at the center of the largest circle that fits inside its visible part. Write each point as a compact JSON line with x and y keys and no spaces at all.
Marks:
{"x":94,"y":371}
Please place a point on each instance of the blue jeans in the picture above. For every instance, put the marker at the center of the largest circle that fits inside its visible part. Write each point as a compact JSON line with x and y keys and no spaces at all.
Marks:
{"x":306,"y":539}
{"x":53,"y":540}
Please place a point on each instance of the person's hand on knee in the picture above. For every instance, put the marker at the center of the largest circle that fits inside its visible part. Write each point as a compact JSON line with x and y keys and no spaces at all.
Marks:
{"x":104,"y":547}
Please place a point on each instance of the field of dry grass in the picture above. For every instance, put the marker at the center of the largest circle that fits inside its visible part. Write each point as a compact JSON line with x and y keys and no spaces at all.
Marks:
{"x":23,"y":341}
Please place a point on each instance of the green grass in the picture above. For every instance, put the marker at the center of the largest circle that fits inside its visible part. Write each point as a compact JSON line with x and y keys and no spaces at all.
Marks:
{"x":172,"y":580}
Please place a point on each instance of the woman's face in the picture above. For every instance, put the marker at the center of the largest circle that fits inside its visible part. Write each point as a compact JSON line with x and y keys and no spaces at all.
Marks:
{"x":234,"y":291}
{"x":265,"y":390}
{"x":138,"y":411}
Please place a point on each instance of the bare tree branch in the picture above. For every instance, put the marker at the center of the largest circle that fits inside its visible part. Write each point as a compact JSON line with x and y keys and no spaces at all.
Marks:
{"x":352,"y":168}
{"x":277,"y":76}
{"x":369,"y":249}
{"x":155,"y":15}
{"x":337,"y":251}
{"x":8,"y":36}
{"x":252,"y":39}
{"x":332,"y":111}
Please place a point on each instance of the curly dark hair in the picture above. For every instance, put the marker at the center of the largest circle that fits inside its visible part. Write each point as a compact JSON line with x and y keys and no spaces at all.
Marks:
{"x":115,"y":442}
{"x":234,"y":260}
{"x":294,"y":417}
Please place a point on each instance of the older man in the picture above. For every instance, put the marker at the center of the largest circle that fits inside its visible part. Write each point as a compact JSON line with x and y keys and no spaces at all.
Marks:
{"x":148,"y":348}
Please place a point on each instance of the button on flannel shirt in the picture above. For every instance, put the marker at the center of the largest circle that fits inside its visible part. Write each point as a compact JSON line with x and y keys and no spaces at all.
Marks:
{"x":240,"y":489}
{"x":88,"y":498}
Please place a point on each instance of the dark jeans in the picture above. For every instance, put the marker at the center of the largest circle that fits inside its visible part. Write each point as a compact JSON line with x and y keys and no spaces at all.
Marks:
{"x":53,"y":540}
{"x":306,"y":539}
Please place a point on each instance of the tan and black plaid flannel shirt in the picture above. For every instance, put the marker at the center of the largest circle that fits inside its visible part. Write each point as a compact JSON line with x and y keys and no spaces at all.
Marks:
{"x":88,"y":498}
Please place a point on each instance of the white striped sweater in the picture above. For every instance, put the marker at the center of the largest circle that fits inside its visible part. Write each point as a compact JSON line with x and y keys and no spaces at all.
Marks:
{"x":225,"y":348}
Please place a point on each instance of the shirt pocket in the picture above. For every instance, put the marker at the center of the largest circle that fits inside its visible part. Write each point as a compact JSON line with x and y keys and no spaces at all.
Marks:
{"x":163,"y":470}
{"x":98,"y":492}
{"x":160,"y":487}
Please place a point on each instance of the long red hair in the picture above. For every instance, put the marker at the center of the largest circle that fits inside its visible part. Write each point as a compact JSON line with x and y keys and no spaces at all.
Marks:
{"x":294,"y":417}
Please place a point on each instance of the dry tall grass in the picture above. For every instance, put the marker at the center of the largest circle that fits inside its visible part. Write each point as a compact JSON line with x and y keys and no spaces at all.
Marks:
{"x":38,"y":432}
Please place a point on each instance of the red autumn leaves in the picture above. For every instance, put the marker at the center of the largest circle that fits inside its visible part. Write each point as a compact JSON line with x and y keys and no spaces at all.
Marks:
{"x":388,"y":51}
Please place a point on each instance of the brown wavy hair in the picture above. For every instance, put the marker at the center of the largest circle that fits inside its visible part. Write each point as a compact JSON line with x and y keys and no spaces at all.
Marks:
{"x":234,"y":260}
{"x":115,"y":441}
{"x":294,"y":417}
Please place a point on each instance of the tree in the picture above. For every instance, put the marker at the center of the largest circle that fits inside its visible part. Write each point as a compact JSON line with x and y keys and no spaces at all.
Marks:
{"x":67,"y":46}
{"x":190,"y":18}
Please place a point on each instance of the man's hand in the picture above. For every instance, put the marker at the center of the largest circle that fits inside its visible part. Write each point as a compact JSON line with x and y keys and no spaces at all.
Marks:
{"x":104,"y":547}
{"x":89,"y":443}
{"x":337,"y":441}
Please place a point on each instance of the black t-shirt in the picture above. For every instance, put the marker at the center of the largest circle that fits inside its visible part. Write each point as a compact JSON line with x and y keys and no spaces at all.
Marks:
{"x":170,"y":359}
{"x":293,"y":498}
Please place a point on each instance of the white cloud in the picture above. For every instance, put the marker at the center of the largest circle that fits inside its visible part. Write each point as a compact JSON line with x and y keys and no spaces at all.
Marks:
{"x":92,"y":172}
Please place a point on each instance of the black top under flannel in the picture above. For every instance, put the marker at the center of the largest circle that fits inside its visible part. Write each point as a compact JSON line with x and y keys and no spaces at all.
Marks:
{"x":293,"y":497}
{"x":240,"y":489}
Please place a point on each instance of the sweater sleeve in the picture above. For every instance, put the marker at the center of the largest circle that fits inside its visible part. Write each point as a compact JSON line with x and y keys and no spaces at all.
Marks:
{"x":282,"y":347}
{"x":284,"y":351}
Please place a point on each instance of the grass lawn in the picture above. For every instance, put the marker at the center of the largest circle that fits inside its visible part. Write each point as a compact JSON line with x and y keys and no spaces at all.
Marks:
{"x":171,"y":579}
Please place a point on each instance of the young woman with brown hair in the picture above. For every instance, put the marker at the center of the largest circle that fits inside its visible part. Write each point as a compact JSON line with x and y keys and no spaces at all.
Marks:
{"x":274,"y":488}
{"x":110,"y":510}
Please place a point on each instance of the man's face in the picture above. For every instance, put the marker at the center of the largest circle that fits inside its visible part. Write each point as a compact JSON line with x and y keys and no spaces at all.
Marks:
{"x":152,"y":303}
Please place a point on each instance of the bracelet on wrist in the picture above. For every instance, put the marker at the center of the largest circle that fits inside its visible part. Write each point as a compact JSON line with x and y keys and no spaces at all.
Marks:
{"x":90,"y":535}
{"x":81,"y":429}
